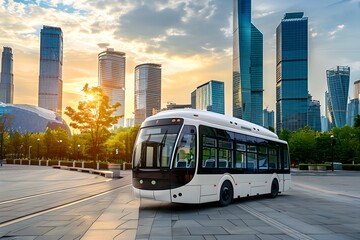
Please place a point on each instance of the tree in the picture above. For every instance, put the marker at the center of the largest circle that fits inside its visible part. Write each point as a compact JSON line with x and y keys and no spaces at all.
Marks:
{"x":302,"y":145}
{"x":357,"y":121}
{"x":94,"y":117}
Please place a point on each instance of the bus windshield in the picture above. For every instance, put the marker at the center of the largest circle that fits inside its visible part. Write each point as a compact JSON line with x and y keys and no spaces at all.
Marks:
{"x":155,"y":145}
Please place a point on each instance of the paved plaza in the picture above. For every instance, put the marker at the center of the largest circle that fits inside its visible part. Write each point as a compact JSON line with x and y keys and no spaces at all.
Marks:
{"x":45,"y":203}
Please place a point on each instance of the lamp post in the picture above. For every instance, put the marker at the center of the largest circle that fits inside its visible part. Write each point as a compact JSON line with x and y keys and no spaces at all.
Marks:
{"x":38,"y":147}
{"x":78,"y":151}
{"x":60,"y":141}
{"x":332,"y":142}
{"x":30,"y":152}
{"x":21,"y":151}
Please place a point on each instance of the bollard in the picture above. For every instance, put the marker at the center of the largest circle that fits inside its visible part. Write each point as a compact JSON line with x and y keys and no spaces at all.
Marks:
{"x":82,"y":164}
{"x":47,"y":163}
{"x":124,"y":166}
{"x":39,"y":162}
{"x":74,"y":162}
{"x":97,"y":165}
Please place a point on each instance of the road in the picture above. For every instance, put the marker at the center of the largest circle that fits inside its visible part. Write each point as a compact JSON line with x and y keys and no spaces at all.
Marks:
{"x":45,"y":203}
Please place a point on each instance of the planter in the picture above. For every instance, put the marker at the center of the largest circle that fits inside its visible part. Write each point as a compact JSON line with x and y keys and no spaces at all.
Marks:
{"x":312,"y":168}
{"x":115,"y":168}
{"x":321,"y":168}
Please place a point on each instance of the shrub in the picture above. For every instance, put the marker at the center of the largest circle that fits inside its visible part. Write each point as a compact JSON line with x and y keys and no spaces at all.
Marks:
{"x":351,"y":167}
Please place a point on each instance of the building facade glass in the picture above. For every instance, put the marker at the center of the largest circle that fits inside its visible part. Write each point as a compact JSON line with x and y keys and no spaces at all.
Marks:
{"x":338,"y":80}
{"x":210,"y":97}
{"x":292,"y":72}
{"x":357,"y":89}
{"x":314,"y":115}
{"x":51,"y":61}
{"x":247,"y":65}
{"x":25,"y":118}
{"x":7,"y":76}
{"x":112,"y":79}
{"x":147,"y":91}
{"x":352,"y":111}
{"x":269,"y":117}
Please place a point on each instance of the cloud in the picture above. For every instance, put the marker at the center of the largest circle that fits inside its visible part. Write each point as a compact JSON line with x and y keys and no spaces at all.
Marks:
{"x":103,"y":45}
{"x":339,"y":28}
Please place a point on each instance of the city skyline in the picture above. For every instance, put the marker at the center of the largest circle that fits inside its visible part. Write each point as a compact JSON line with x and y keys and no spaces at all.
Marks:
{"x":193,"y":45}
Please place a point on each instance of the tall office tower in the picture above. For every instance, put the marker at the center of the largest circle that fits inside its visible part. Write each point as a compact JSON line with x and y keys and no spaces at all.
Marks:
{"x":269,"y":117}
{"x":51,"y":61}
{"x":324,"y":124}
{"x":210,"y":97}
{"x":7,"y":76}
{"x":314,"y":115}
{"x":112,"y":79}
{"x":292,"y":72}
{"x":353,"y":109}
{"x":247,"y":65}
{"x":338,"y":79}
{"x":357,"y":89}
{"x":147,"y":91}
{"x":328,"y":113}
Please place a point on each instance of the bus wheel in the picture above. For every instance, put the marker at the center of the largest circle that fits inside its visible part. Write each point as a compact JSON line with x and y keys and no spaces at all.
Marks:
{"x":274,"y":188}
{"x":226,"y":194}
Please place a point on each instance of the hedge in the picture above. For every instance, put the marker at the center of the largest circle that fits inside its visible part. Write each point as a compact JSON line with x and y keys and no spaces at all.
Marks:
{"x":305,"y":166}
{"x":351,"y":167}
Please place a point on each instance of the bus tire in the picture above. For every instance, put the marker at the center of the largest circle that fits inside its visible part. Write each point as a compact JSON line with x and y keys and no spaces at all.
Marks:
{"x":274,"y":188}
{"x":226,"y":194}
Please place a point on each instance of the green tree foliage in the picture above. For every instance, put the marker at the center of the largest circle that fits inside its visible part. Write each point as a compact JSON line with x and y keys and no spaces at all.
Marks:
{"x":93,"y":118}
{"x":357,"y":121}
{"x":302,"y":145}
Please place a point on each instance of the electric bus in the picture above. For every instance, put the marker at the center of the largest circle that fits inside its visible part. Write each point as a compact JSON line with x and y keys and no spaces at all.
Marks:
{"x":194,"y":156}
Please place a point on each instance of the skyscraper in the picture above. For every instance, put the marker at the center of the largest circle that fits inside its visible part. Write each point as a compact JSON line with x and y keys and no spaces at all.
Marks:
{"x":292,"y":72}
{"x":147,"y":91}
{"x":210,"y":97}
{"x":51,"y":61}
{"x":269,"y":117}
{"x":112,"y":79}
{"x":353,"y":109}
{"x":357,"y":89}
{"x":7,"y":76}
{"x":314,"y":115}
{"x":247,"y":65}
{"x":338,"y":79}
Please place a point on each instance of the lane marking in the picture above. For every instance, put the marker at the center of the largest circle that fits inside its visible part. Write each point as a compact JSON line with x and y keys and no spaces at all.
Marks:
{"x":32,"y":215}
{"x":48,"y":193}
{"x":318,"y":189}
{"x":282,"y":227}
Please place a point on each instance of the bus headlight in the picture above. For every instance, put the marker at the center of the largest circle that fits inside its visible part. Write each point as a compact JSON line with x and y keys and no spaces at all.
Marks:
{"x":153,"y":182}
{"x":141,"y":181}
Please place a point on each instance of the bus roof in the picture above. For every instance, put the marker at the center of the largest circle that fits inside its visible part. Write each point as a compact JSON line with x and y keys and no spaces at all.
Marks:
{"x":236,"y":124}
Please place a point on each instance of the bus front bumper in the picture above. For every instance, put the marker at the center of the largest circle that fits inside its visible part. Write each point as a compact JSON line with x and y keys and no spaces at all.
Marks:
{"x":160,"y":195}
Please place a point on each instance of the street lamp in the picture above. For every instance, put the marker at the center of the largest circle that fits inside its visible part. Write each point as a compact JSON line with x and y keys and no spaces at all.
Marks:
{"x":60,"y":141}
{"x":332,"y":142}
{"x":20,"y":150}
{"x":78,"y":151}
{"x":38,"y":147}
{"x":30,"y":152}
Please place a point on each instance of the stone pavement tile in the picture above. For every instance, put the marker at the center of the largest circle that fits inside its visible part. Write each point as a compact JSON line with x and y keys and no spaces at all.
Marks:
{"x":353,"y":235}
{"x":71,"y":237}
{"x":206,"y":230}
{"x":283,"y":237}
{"x":30,"y":231}
{"x":160,"y":238}
{"x":267,"y":237}
{"x":106,"y":224}
{"x":48,"y":237}
{"x":145,"y":221}
{"x":222,"y":216}
{"x":101,"y":234}
{"x":188,"y":238}
{"x":180,"y":231}
{"x":238,"y":222}
{"x":267,"y":230}
{"x":130,"y":224}
{"x":209,"y":237}
{"x":186,"y":223}
{"x":339,"y":228}
{"x":239,"y":230}
{"x":143,"y":230}
{"x":52,"y":223}
{"x":21,"y":238}
{"x":160,"y":232}
{"x":215,"y":223}
{"x":192,"y":216}
{"x":126,"y":235}
{"x":161,"y":223}
{"x":237,"y":237}
{"x":62,"y":217}
{"x":332,"y":237}
{"x":255,"y":223}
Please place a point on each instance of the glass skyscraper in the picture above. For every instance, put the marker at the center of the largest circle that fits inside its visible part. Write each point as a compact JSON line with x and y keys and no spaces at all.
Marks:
{"x":51,"y":61}
{"x":357,"y":89}
{"x":353,"y":109}
{"x":314,"y":115}
{"x":338,"y":80}
{"x":209,"y":97}
{"x":147,"y":91}
{"x":292,"y":72}
{"x":7,"y":76}
{"x":247,"y":65}
{"x":269,"y":117}
{"x":112,"y":79}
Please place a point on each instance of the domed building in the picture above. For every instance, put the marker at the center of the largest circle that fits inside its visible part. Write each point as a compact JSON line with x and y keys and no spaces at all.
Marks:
{"x":25,"y":118}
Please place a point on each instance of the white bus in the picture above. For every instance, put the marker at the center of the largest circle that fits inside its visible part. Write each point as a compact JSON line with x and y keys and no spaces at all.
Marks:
{"x":193,"y":156}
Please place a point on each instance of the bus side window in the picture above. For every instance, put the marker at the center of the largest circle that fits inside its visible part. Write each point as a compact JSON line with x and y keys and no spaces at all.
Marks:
{"x":252,"y":158}
{"x":263,"y":158}
{"x":209,"y":152}
{"x":273,"y":159}
{"x":240,"y":156}
{"x":186,"y":150}
{"x":286,"y":159}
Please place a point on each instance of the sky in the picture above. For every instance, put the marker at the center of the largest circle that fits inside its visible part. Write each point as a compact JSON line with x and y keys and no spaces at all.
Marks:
{"x":192,"y":40}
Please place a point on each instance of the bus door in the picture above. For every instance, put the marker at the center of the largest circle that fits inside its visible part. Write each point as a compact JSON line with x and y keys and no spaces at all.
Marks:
{"x":184,"y":163}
